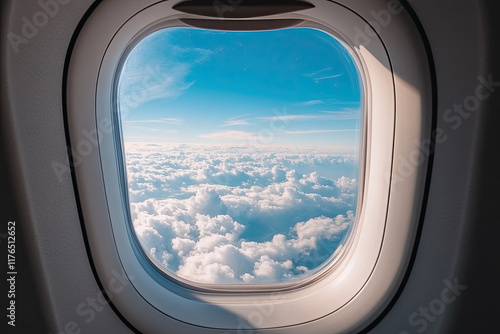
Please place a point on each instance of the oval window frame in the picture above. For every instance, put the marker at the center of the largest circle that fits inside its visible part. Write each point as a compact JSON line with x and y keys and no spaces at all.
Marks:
{"x":368,"y":274}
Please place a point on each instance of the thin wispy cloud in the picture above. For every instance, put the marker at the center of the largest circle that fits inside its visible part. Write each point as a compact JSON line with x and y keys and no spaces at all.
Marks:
{"x":306,"y":132}
{"x":310,"y":103}
{"x":325,"y":115}
{"x":172,"y":121}
{"x":150,"y":129}
{"x":317,"y":72}
{"x":288,"y":118}
{"x":198,"y":55}
{"x":153,"y":140}
{"x":329,"y":102}
{"x":328,"y":77}
{"x":338,"y":115}
{"x":322,"y":74}
{"x":161,"y":77}
{"x":241,"y":116}
{"x":230,"y":135}
{"x":348,"y":109}
{"x":153,"y":83}
{"x":236,"y":122}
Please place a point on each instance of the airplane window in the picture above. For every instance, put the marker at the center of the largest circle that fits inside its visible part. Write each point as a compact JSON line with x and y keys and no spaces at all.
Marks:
{"x":242,"y":151}
{"x":255,"y":168}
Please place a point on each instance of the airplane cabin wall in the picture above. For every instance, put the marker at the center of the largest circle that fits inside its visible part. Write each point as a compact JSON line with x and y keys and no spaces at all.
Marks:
{"x":460,"y":232}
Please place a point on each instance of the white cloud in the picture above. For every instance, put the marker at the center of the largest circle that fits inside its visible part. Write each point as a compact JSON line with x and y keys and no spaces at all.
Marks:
{"x":234,"y":214}
{"x":346,"y":184}
{"x":323,"y":227}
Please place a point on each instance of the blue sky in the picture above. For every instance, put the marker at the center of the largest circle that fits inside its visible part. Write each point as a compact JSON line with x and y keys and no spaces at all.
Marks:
{"x":243,"y":212}
{"x":294,"y":86}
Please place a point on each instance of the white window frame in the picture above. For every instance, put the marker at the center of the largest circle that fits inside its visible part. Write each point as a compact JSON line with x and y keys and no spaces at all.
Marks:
{"x":343,"y":298}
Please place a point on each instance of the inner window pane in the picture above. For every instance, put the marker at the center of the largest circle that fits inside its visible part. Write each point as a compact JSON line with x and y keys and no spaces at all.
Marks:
{"x":242,"y":151}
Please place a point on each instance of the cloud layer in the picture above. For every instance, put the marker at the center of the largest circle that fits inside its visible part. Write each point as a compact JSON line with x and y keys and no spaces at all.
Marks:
{"x":240,"y":214}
